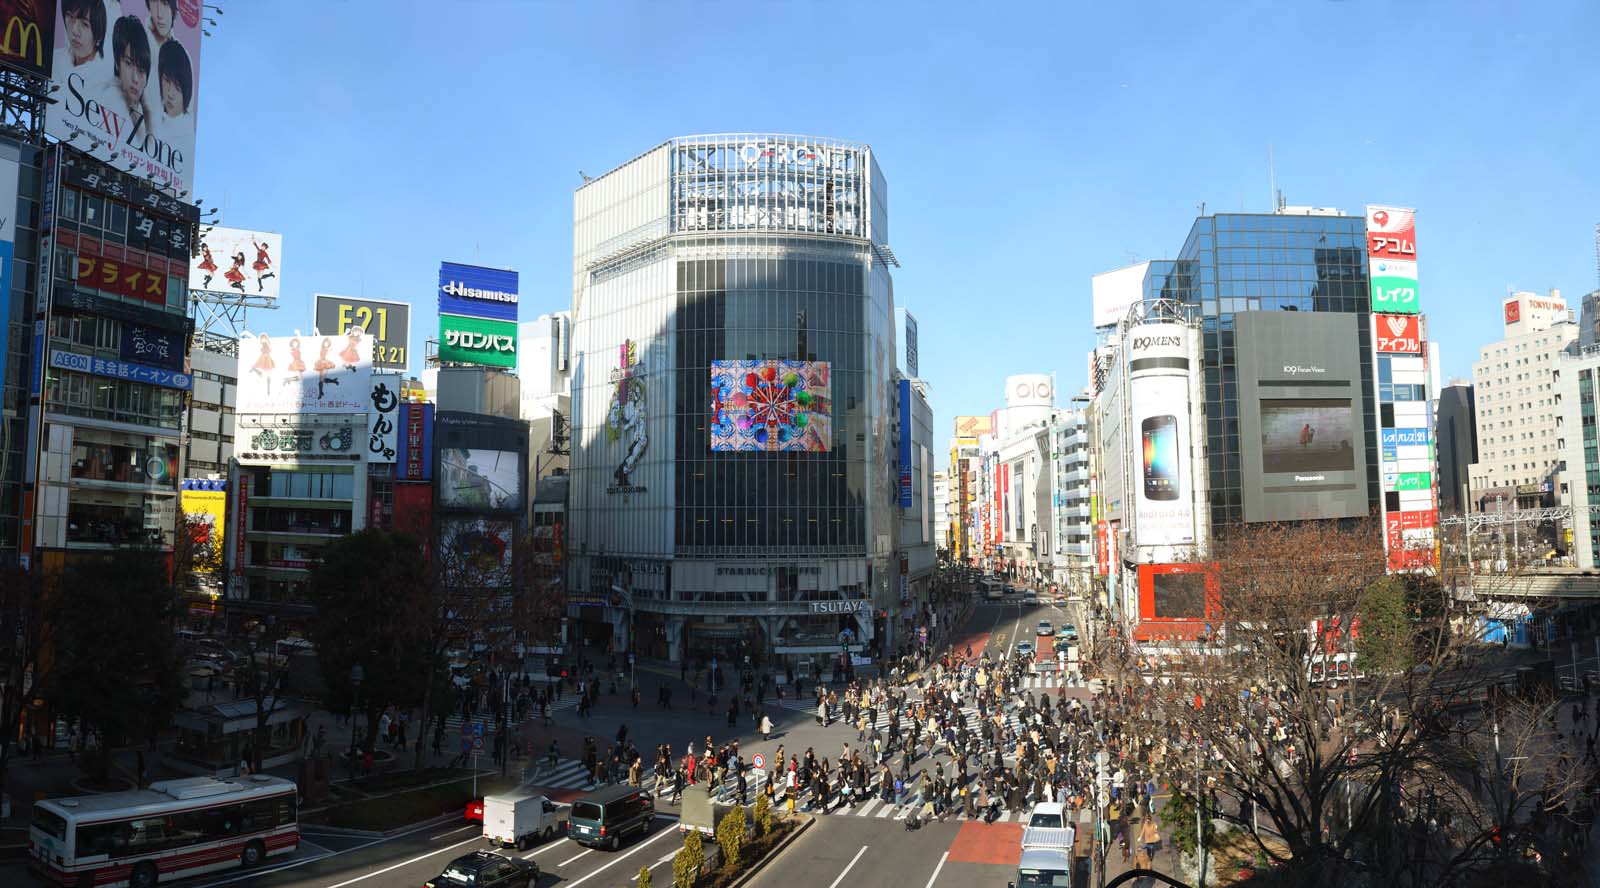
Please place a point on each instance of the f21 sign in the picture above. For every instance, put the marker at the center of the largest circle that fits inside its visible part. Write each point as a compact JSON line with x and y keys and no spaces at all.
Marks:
{"x":1398,"y":334}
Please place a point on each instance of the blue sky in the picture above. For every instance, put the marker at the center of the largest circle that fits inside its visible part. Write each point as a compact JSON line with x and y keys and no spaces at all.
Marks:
{"x":1027,"y":146}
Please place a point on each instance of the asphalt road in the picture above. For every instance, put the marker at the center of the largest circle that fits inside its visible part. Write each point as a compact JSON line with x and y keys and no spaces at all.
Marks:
{"x":864,"y":846}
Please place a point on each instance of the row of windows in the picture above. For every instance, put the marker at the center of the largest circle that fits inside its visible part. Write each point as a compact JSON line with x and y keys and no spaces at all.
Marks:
{"x":304,"y":485}
{"x":100,"y":397}
{"x":145,"y":835}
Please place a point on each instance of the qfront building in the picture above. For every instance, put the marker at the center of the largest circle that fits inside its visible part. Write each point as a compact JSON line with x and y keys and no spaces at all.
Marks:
{"x":734,"y":489}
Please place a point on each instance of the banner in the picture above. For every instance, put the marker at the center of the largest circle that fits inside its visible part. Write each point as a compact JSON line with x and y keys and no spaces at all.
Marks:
{"x":237,"y":259}
{"x":65,"y":360}
{"x":311,"y":374}
{"x":388,"y":323}
{"x":477,"y":292}
{"x":126,"y":76}
{"x":484,"y":341}
{"x":383,"y":418}
{"x":119,"y":276}
{"x":205,"y":506}
{"x":29,"y":36}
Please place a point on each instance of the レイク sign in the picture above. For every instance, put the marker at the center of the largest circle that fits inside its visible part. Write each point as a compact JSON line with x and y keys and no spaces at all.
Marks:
{"x":1398,"y":334}
{"x":1394,"y":286}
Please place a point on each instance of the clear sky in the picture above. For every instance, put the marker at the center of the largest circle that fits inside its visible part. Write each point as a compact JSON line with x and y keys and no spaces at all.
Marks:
{"x":1027,"y":146}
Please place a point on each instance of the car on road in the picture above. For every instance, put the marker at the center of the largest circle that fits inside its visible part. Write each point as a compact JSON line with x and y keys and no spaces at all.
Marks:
{"x":601,"y":818}
{"x":1045,"y":628}
{"x":485,"y":869}
{"x":1030,"y":597}
{"x":1024,"y":650}
{"x":474,"y":811}
{"x":1069,"y":632}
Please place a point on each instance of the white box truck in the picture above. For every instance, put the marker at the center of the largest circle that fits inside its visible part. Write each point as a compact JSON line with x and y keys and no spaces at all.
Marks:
{"x":521,"y":818}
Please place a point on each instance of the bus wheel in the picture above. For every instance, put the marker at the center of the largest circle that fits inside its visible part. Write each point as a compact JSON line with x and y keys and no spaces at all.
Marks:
{"x":252,"y":854}
{"x":144,"y":876}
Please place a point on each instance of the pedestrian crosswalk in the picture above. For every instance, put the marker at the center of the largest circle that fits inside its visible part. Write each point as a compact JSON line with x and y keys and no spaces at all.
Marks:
{"x":454,"y":721}
{"x":570,"y":774}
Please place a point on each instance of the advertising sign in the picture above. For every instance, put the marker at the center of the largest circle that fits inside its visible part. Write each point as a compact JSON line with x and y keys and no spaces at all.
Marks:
{"x":416,"y":459}
{"x":241,"y":514}
{"x":10,"y":175}
{"x":1397,"y":334}
{"x":323,"y":441}
{"x":65,"y":360}
{"x":91,"y":175}
{"x":1159,"y":402}
{"x":1394,"y":286}
{"x":29,"y":35}
{"x":153,"y":346}
{"x":469,"y":340}
{"x":126,"y":75}
{"x":413,"y":510}
{"x":477,"y":292}
{"x":311,"y":374}
{"x":1391,"y":233}
{"x":1114,"y":292}
{"x":205,"y":508}
{"x":120,"y":276}
{"x":911,"y":345}
{"x":388,"y":323}
{"x":479,"y":548}
{"x":238,"y":259}
{"x":905,"y":443}
{"x":480,"y":479}
{"x":383,"y":418}
{"x":772,"y":405}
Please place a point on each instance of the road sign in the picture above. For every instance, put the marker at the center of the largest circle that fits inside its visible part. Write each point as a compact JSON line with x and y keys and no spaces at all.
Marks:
{"x":758,"y":760}
{"x":477,"y":746}
{"x":630,"y":658}
{"x":477,"y":730}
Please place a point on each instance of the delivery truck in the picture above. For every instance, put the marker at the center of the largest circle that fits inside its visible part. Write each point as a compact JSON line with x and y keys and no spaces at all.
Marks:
{"x":522,"y":819}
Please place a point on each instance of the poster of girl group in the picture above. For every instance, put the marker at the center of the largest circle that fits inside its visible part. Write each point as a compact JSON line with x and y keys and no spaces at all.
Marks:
{"x":316,"y":373}
{"x":129,"y":78}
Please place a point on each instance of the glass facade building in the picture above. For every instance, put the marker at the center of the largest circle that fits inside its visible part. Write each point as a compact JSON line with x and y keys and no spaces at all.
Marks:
{"x":1234,"y":263}
{"x":695,"y":530}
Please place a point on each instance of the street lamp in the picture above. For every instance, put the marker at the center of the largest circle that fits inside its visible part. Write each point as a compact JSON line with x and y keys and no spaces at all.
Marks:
{"x":356,"y":675}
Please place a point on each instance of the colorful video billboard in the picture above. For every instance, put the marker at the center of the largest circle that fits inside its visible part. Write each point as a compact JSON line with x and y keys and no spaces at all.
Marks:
{"x":771,"y":405}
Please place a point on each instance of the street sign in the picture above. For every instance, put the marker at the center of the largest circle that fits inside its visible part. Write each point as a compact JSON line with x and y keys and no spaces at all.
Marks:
{"x":477,"y":746}
{"x":477,"y":730}
{"x":758,"y":760}
{"x":630,"y":658}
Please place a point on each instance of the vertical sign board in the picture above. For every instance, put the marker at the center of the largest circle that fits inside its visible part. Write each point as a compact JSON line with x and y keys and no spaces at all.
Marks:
{"x":10,"y":174}
{"x":1409,"y":502}
{"x":905,"y":443}
{"x":911,"y":345}
{"x":416,"y":446}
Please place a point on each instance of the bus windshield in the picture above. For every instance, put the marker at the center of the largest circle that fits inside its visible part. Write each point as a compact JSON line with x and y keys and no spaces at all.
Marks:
{"x":50,"y":823}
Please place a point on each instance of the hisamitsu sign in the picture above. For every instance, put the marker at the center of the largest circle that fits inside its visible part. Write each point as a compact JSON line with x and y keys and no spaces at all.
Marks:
{"x":65,"y":360}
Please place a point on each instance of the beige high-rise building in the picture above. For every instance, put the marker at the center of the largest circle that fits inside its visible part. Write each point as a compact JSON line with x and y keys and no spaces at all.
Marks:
{"x":1513,"y":381}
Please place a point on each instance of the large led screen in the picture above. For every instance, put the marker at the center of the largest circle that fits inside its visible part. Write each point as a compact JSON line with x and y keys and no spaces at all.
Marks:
{"x":1178,"y":596}
{"x":1306,"y":435}
{"x":771,"y":405}
{"x":479,"y":479}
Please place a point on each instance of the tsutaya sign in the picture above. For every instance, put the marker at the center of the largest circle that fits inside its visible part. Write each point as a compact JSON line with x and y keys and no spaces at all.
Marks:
{"x":838,"y":607}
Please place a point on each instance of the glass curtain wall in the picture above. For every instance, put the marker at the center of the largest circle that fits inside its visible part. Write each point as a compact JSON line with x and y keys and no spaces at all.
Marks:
{"x":801,"y":306}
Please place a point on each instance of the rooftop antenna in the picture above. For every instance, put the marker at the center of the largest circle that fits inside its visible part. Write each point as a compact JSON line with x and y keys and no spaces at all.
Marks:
{"x":1201,"y":206}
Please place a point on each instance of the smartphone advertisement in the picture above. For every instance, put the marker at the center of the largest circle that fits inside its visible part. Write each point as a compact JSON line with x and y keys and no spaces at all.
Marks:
{"x":1159,"y":395}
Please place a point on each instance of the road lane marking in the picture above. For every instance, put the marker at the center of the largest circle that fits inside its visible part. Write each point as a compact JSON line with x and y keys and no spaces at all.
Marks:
{"x":936,"y":869}
{"x":450,"y":833}
{"x":579,"y":854}
{"x":867,"y":808}
{"x":620,"y":858}
{"x":391,"y":867}
{"x":554,"y":844}
{"x":849,"y":867}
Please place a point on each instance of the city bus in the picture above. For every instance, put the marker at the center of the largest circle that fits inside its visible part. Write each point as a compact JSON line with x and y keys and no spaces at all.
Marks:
{"x":991,"y":590}
{"x":174,"y":829}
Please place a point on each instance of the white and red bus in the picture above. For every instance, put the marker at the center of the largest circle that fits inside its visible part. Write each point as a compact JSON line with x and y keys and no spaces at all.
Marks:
{"x":174,"y":829}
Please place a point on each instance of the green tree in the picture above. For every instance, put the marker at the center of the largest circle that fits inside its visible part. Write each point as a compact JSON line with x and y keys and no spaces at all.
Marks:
{"x":763,"y":814}
{"x":1177,"y":815}
{"x":687,"y":862}
{"x":1384,"y":645}
{"x":371,"y":591}
{"x":730,"y":835}
{"x":113,"y":662}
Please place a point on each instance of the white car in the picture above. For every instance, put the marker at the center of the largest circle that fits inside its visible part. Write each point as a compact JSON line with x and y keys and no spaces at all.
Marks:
{"x":1045,"y":628}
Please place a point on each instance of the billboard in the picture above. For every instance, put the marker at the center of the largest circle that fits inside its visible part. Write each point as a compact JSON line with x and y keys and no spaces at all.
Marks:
{"x":480,"y":479}
{"x":905,"y":443}
{"x":1158,"y":386}
{"x":388,"y":323}
{"x":477,"y":292}
{"x":242,"y":260}
{"x":1179,"y":593}
{"x":205,"y":507}
{"x":125,"y":277}
{"x":29,"y":36}
{"x":1114,"y":292}
{"x":416,"y":445}
{"x":1306,"y":435}
{"x":470,"y":340}
{"x":1398,"y":334}
{"x":973,"y":426}
{"x":479,"y":548}
{"x":126,"y":76}
{"x":305,"y":374}
{"x":1394,"y":286}
{"x":771,"y":405}
{"x":1391,"y":233}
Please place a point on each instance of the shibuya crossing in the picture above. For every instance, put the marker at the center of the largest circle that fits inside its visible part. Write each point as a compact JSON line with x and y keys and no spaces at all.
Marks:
{"x":735,"y":408}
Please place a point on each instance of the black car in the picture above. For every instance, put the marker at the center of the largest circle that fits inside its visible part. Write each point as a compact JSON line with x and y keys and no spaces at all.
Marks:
{"x":484,"y":869}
